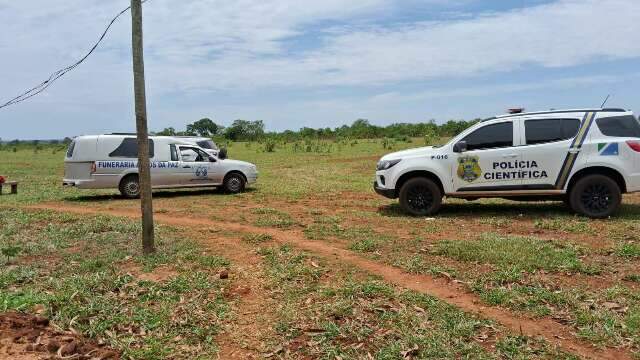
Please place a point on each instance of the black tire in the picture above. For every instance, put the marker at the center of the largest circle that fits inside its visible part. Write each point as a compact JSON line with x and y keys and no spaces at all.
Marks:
{"x":234,"y":183}
{"x":420,"y":197}
{"x":130,"y":187}
{"x":595,"y":196}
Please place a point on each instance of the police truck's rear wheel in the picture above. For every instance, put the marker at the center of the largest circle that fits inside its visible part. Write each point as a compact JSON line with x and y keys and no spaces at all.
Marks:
{"x":595,"y":196}
{"x":420,"y":197}
{"x":234,"y":183}
{"x":130,"y":187}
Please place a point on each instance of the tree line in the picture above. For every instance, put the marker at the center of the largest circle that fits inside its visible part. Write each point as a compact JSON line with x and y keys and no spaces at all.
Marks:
{"x":244,"y":130}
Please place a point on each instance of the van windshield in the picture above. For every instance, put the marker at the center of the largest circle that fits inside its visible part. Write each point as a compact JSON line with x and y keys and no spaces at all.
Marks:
{"x":207,"y":144}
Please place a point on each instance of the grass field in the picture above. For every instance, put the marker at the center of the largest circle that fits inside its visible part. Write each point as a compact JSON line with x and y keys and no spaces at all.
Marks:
{"x":319,"y":267}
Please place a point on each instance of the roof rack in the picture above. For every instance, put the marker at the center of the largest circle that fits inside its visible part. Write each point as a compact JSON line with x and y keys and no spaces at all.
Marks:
{"x":558,"y":112}
{"x":174,"y":136}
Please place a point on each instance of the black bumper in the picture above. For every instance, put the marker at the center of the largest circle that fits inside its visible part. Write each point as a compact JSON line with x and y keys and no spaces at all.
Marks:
{"x":388,"y":193}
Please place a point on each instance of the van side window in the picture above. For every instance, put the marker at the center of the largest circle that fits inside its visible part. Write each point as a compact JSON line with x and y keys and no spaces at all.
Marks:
{"x":129,"y":149}
{"x":491,"y":136}
{"x":550,"y":130}
{"x":72,"y":146}
{"x":621,"y":126}
{"x":174,"y":153}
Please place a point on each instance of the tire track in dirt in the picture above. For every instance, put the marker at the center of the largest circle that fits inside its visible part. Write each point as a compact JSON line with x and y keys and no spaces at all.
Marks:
{"x":454,"y":294}
{"x":240,"y":340}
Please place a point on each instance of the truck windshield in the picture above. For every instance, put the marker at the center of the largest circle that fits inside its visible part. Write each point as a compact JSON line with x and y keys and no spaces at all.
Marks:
{"x":207,"y":144}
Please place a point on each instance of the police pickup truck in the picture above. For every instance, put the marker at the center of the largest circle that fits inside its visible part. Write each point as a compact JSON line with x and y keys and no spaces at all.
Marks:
{"x":111,"y":161}
{"x":587,"y":157}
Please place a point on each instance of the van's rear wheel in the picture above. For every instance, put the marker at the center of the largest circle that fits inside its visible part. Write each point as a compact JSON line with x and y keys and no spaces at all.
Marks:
{"x":234,"y":183}
{"x":420,"y":197}
{"x":130,"y":187}
{"x":595,"y":196}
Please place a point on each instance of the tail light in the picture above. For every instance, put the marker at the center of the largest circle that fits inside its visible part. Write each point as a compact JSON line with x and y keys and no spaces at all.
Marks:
{"x":93,"y":168}
{"x":634,"y":144}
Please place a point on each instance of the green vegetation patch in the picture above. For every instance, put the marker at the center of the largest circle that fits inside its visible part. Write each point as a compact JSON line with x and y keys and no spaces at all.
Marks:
{"x":269,"y":217}
{"x":629,"y":250}
{"x":522,"y":253}
{"x":257,"y":238}
{"x":362,"y":239}
{"x":564,"y":224}
{"x":88,"y":274}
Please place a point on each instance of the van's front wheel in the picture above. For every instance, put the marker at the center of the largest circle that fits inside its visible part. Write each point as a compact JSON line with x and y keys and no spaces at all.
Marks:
{"x":234,"y":183}
{"x":130,"y":187}
{"x":420,"y":197}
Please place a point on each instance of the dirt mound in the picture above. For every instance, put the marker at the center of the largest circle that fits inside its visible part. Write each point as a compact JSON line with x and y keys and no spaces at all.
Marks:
{"x":26,"y":337}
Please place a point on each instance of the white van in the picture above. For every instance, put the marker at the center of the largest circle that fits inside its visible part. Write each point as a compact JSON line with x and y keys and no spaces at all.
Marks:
{"x":111,"y":161}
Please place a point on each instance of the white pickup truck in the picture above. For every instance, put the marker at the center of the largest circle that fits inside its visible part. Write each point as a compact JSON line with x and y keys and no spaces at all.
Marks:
{"x":585,"y":157}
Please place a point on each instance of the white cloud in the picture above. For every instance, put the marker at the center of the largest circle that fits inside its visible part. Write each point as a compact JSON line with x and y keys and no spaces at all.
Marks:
{"x":244,"y":44}
{"x":204,"y":48}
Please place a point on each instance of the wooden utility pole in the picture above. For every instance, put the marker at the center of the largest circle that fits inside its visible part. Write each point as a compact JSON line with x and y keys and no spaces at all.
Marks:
{"x":144,"y":169}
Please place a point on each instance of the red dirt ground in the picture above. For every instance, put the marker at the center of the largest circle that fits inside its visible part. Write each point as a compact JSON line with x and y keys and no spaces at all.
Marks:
{"x":28,"y":337}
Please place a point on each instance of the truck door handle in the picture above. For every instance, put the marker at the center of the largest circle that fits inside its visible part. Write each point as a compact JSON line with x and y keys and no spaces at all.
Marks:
{"x":510,"y":156}
{"x":187,"y":167}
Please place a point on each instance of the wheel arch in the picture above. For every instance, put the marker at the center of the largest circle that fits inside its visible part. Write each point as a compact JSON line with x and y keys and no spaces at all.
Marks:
{"x":244,"y":176}
{"x":127,"y":175}
{"x":599,"y":170}
{"x":418,"y":173}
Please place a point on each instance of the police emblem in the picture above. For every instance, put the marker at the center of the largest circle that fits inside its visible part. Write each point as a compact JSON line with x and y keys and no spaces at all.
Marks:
{"x":469,"y":168}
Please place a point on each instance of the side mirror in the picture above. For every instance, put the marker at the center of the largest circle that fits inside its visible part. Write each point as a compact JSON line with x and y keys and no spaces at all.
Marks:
{"x":460,"y":146}
{"x":222,"y":154}
{"x":212,"y":159}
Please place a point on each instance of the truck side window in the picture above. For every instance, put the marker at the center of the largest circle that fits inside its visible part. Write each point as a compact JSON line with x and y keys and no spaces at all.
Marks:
{"x":491,"y":137}
{"x":620,"y":126}
{"x":550,"y":130}
{"x":129,"y":149}
{"x":174,"y":153}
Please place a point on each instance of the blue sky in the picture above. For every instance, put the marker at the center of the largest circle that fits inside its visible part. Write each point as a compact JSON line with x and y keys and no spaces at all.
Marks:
{"x":313,"y":63}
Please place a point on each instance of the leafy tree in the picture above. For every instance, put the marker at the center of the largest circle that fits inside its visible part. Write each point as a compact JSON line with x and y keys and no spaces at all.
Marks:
{"x":245,"y":130}
{"x":204,"y":127}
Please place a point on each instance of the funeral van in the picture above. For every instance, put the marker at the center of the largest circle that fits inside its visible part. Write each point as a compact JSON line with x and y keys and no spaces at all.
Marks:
{"x":587,"y":158}
{"x":111,"y":161}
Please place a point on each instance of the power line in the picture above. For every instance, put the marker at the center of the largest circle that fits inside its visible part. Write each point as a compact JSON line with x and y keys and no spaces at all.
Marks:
{"x":60,"y":73}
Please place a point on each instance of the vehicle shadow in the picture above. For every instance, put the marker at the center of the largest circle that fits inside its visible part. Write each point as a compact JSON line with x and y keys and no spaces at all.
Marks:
{"x":508,"y":209}
{"x":157,"y":194}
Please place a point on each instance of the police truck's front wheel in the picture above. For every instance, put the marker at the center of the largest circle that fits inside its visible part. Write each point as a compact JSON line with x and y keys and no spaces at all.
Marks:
{"x":420,"y":197}
{"x":234,"y":183}
{"x":130,"y":187}
{"x":595,"y":196}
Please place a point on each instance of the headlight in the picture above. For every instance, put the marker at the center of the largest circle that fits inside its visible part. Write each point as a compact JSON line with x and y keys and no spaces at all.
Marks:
{"x":387,"y":164}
